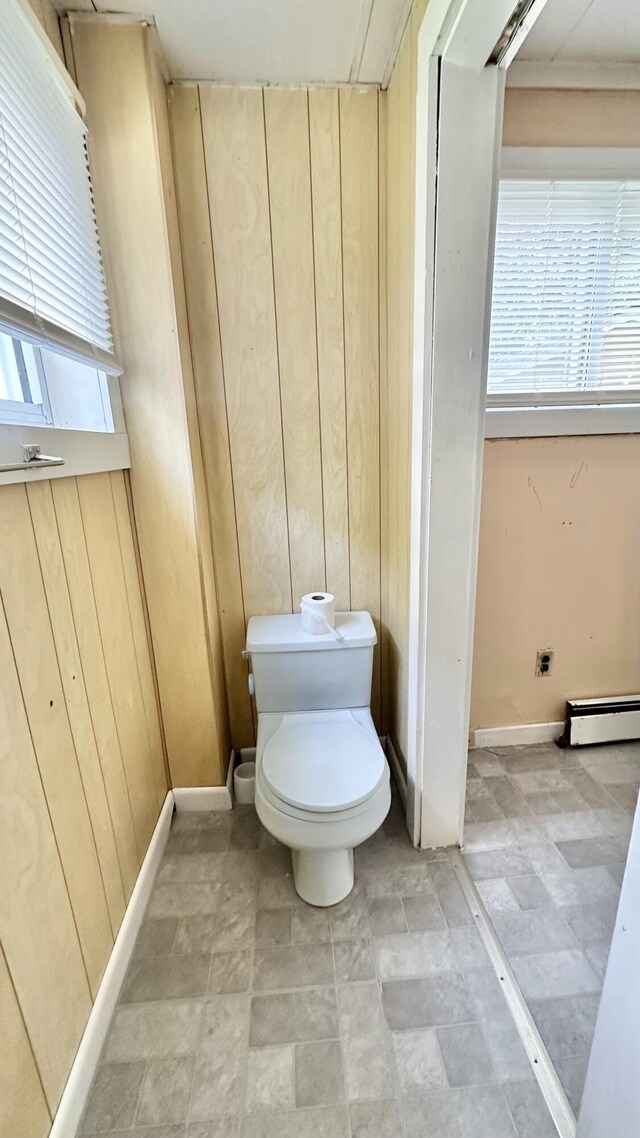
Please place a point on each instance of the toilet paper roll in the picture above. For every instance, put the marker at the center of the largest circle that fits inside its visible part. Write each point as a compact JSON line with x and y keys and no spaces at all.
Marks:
{"x":318,"y":613}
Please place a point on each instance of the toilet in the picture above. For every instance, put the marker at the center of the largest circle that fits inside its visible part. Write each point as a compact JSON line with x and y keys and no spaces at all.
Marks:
{"x":322,"y":779}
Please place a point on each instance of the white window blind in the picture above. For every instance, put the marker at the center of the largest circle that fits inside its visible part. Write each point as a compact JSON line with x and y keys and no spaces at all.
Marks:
{"x":565,"y":318}
{"x":52,"y":289}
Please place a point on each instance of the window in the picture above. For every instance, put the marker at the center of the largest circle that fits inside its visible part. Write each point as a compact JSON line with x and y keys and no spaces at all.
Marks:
{"x":565,"y":320}
{"x":42,"y":388}
{"x":56,"y":350}
{"x":21,"y":398}
{"x":564,"y":344}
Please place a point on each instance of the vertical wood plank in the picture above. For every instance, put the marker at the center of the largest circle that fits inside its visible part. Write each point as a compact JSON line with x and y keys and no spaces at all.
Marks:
{"x":206,"y":736}
{"x":23,"y":1107}
{"x":390,"y":553}
{"x":100,"y":528}
{"x":324,"y":132}
{"x":254,"y":360}
{"x":127,"y":132}
{"x":37,"y":929}
{"x":74,"y":552}
{"x":55,"y":584}
{"x":139,"y":633}
{"x":37,"y":665}
{"x":233,"y":130}
{"x":289,"y":174}
{"x":406,"y":160}
{"x":359,"y":158}
{"x":384,"y":399}
{"x":204,"y":334}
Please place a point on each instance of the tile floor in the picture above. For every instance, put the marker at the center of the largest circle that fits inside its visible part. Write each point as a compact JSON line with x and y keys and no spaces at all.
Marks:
{"x":546,"y":839}
{"x":247,"y":1014}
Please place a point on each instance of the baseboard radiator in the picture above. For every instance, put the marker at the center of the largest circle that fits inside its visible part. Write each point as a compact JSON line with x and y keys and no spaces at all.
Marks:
{"x":608,"y":720}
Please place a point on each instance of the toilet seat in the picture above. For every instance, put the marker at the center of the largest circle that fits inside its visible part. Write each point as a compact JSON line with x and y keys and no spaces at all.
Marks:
{"x":323,"y":763}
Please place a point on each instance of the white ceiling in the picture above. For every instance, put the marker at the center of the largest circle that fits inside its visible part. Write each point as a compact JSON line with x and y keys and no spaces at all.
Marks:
{"x":595,"y":31}
{"x":286,"y":42}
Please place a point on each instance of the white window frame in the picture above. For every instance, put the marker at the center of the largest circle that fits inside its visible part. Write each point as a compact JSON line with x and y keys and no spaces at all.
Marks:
{"x":19,"y":411}
{"x":84,"y":452}
{"x":609,"y":416}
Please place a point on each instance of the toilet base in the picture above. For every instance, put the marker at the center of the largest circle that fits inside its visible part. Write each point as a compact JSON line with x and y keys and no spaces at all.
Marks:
{"x":323,"y":877}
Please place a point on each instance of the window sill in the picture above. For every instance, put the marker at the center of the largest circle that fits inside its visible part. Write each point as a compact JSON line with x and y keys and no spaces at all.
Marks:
{"x":547,"y":422}
{"x":84,"y":452}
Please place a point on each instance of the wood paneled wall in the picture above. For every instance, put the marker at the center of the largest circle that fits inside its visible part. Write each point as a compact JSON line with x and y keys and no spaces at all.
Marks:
{"x":82,"y":771}
{"x":278,"y":201}
{"x":397,"y":404}
{"x":119,"y":74}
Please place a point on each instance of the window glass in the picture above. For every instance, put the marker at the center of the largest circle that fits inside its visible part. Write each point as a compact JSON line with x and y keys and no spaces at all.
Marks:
{"x":566,"y":291}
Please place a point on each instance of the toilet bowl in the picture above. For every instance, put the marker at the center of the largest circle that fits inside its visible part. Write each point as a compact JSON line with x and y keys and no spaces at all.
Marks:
{"x":322,"y":788}
{"x":322,"y":779}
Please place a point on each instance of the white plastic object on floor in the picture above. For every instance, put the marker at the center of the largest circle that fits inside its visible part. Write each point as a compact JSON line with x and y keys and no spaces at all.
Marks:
{"x":244,"y":784}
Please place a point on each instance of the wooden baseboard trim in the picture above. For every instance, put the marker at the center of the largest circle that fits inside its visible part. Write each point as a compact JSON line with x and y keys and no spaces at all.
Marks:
{"x":201,"y":798}
{"x":84,"y":1067}
{"x":519,"y":735}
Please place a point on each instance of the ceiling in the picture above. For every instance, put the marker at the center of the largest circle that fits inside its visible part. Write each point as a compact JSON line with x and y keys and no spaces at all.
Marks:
{"x":287,"y":42}
{"x":586,"y":31}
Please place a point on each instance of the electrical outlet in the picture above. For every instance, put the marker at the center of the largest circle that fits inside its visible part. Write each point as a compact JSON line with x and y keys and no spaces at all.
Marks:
{"x":544,"y":661}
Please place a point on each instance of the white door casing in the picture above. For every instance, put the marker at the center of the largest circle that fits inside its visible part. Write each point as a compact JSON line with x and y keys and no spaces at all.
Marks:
{"x":459,"y":118}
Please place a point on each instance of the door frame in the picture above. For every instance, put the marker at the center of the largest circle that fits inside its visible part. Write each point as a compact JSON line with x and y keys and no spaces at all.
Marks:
{"x":453,"y":260}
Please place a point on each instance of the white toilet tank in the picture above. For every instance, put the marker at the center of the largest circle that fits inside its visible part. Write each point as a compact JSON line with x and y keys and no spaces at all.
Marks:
{"x":295,"y":671}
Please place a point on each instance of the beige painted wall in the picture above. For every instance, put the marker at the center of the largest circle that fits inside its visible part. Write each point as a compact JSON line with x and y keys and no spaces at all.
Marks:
{"x":534,"y":117}
{"x":559,"y":559}
{"x":82,"y":771}
{"x":278,"y":207}
{"x":559,"y":568}
{"x":396,"y":399}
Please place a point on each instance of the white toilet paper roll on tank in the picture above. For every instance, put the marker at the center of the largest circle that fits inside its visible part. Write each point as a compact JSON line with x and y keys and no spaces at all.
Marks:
{"x":319,"y":614}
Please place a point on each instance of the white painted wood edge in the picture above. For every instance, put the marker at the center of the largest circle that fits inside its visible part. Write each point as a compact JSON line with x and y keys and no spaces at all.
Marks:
{"x":610,"y":1102}
{"x":84,"y":452}
{"x":201,"y":798}
{"x":84,"y":1067}
{"x":551,"y":422}
{"x":519,"y":735}
{"x":396,"y":769}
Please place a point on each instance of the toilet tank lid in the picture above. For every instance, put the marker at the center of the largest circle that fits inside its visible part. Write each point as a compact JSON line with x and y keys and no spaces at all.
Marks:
{"x":285,"y":633}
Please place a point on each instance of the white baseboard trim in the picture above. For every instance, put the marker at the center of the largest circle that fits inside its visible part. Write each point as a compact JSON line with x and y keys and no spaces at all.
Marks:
{"x":202,"y":798}
{"x":519,"y":735}
{"x":78,"y":1084}
{"x":396,"y":769}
